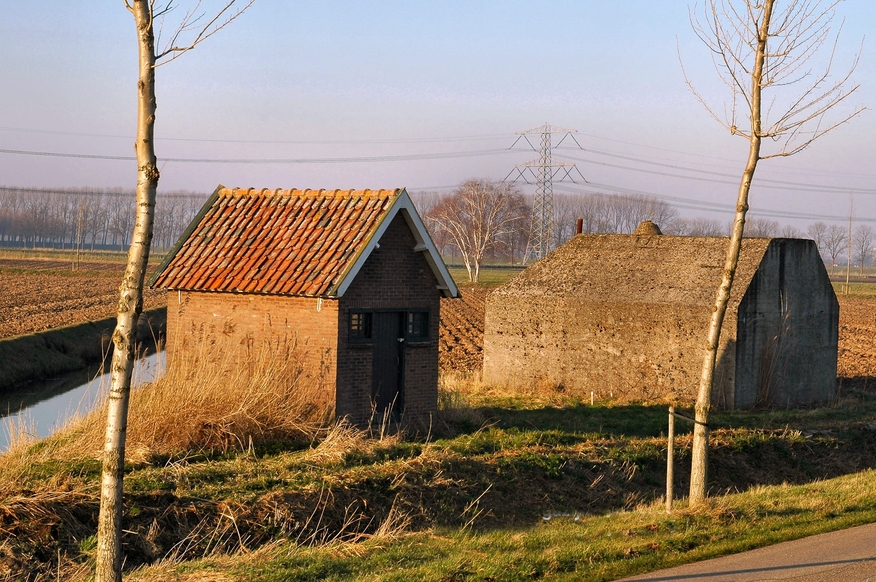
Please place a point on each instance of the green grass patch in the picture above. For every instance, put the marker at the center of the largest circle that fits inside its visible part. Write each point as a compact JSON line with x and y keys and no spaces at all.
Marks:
{"x":855,"y":289}
{"x":556,"y":491}
{"x":585,"y":548}
{"x":69,"y":255}
{"x":490,"y":276}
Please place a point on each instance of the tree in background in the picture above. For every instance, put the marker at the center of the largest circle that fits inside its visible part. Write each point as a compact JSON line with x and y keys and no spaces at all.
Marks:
{"x":478,"y":217}
{"x":760,"y":228}
{"x":835,"y":239}
{"x":109,"y":529}
{"x":817,"y":231}
{"x":759,"y":47}
{"x":789,"y":231}
{"x":862,"y":244}
{"x":695,"y":227}
{"x":607,"y":213}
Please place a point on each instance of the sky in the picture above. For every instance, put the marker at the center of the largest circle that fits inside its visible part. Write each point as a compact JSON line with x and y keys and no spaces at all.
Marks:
{"x":423,"y":95}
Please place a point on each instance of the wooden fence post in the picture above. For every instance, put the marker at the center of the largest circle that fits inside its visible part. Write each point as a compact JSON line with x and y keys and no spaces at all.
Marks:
{"x":670,"y":460}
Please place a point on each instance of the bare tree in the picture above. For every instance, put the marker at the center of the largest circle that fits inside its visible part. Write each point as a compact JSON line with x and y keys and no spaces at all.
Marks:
{"x":835,"y":240}
{"x":695,"y":227}
{"x":862,"y":240}
{"x":478,"y":216}
{"x":607,"y":213}
{"x":196,"y":29}
{"x":758,"y":50}
{"x":789,"y":231}
{"x":759,"y":228}
{"x":817,"y":231}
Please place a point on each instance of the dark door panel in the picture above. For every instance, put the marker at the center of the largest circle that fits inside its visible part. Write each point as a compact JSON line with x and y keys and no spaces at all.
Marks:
{"x":388,"y":365}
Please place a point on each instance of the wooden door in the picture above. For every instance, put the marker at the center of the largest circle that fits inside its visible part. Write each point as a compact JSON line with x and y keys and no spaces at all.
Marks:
{"x":387,"y":391}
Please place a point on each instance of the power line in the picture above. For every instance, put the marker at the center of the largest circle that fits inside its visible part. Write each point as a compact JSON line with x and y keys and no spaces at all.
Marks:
{"x":692,"y":204}
{"x":544,"y":170}
{"x":777,"y":184}
{"x":345,"y":160}
{"x":266,"y":141}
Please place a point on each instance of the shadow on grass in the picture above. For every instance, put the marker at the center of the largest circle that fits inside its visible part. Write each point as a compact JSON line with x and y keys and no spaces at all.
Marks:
{"x":617,"y":421}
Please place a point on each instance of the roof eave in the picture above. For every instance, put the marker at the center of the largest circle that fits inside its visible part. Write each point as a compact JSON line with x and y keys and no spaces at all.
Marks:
{"x":185,"y":236}
{"x":405,"y":205}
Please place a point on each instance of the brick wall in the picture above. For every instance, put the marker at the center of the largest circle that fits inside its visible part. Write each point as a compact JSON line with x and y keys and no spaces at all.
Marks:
{"x":395,"y":277}
{"x":236,"y":328}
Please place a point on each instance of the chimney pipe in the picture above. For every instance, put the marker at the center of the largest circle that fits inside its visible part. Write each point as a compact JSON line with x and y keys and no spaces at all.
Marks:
{"x":580,"y":227}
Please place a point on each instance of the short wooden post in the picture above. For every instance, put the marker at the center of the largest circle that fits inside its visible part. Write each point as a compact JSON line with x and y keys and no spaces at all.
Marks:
{"x":670,"y":460}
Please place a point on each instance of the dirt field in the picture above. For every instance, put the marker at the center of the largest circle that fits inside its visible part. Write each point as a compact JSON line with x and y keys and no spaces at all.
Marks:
{"x":42,"y":294}
{"x":36,"y":295}
{"x":461,"y":343}
{"x":857,"y":341}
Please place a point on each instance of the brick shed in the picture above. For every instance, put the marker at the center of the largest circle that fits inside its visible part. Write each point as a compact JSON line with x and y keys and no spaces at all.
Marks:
{"x":351,"y":276}
{"x":626,"y":316}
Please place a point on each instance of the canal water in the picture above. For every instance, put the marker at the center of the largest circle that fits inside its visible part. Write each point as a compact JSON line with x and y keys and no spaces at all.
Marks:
{"x":42,"y":407}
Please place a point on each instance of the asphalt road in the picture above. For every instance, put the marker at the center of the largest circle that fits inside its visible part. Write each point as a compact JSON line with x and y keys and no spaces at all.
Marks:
{"x":847,"y":556}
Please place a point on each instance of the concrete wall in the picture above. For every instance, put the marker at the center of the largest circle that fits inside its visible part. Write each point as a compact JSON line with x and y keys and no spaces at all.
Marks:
{"x":627,"y":352}
{"x":788,"y":330}
{"x":395,"y":277}
{"x":784,"y":350}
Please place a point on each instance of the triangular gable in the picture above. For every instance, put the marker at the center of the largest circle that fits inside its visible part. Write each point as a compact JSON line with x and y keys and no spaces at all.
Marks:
{"x":404,"y":205}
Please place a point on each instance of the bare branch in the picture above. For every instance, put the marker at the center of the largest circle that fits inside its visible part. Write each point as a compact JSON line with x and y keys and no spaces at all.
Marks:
{"x":796,"y":34}
{"x":190,"y":24}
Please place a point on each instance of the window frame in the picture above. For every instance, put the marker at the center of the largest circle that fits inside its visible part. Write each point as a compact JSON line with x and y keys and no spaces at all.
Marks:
{"x":352,"y":335}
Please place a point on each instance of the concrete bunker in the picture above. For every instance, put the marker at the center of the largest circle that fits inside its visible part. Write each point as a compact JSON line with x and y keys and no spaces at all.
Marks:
{"x":625,"y":316}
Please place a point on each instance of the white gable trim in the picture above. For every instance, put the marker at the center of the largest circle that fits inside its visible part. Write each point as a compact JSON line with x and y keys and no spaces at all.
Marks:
{"x":424,"y":244}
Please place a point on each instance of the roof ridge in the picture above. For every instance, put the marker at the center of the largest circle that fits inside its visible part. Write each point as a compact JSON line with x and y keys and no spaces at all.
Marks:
{"x":309,"y":192}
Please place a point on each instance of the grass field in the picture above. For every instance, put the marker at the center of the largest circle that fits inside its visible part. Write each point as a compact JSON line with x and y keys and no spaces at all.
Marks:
{"x":506,"y":487}
{"x":490,"y":276}
{"x":68,"y":255}
{"x":855,"y":289}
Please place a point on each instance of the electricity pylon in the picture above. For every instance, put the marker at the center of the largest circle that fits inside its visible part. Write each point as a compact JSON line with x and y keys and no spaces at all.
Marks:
{"x":544,"y":170}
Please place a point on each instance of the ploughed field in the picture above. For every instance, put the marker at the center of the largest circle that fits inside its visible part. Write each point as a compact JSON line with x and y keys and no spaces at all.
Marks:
{"x":857,"y":341}
{"x":38,"y":294}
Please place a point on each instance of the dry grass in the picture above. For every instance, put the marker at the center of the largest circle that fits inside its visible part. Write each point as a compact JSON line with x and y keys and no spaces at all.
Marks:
{"x":207,"y":401}
{"x":460,"y":392}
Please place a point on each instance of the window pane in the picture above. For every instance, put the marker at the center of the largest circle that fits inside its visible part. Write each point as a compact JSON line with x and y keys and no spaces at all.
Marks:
{"x":360,"y":326}
{"x":418,"y":325}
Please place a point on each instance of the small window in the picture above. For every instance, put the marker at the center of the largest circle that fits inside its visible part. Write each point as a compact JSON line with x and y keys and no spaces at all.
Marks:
{"x":360,"y":326}
{"x":418,"y":325}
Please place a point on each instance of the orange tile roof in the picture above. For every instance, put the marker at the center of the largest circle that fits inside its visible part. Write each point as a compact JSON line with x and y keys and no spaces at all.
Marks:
{"x":290,"y":242}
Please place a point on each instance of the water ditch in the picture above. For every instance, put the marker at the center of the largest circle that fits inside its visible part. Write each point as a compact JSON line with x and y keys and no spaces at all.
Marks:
{"x":42,"y":407}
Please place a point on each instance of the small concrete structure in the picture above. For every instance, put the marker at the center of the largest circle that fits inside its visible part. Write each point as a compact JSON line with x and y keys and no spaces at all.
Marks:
{"x":626,"y":316}
{"x":349,"y":277}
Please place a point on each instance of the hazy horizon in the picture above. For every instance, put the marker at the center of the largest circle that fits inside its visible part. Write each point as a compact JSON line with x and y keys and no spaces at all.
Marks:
{"x":333,"y":89}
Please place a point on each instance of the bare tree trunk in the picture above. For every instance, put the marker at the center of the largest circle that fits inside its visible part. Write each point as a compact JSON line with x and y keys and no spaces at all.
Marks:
{"x":699,"y":454}
{"x":109,"y":532}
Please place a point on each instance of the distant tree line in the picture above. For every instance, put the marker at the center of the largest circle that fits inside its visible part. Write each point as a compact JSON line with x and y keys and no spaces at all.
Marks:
{"x":88,"y":218}
{"x":102,"y":219}
{"x":484,"y":220}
